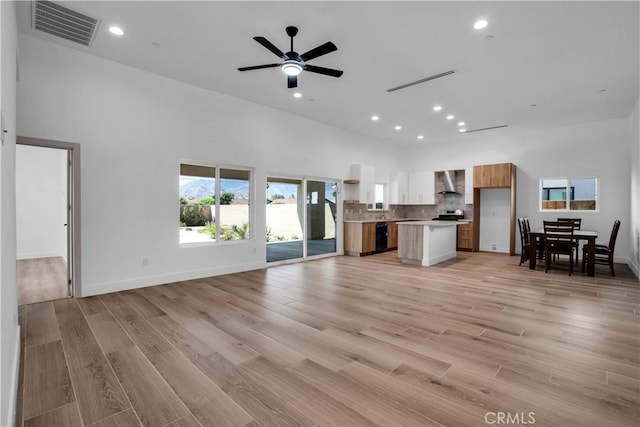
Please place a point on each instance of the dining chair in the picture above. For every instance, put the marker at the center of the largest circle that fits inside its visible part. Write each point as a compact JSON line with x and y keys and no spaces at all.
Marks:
{"x":540,"y":243}
{"x":577,"y":223}
{"x":558,"y":240}
{"x":524,"y":240}
{"x":603,"y":254}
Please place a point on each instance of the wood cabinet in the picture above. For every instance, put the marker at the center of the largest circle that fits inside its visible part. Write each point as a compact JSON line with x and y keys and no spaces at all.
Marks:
{"x":422,"y":188}
{"x":465,"y":236}
{"x":392,"y":235}
{"x":492,"y":176}
{"x":359,"y":238}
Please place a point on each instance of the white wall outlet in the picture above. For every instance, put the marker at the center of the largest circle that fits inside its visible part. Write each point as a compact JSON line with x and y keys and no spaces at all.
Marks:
{"x":493,"y":246}
{"x":145,"y":261}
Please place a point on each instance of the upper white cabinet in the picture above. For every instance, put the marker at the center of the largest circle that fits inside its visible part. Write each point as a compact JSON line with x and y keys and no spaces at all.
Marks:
{"x":398,"y":188}
{"x":468,"y":186}
{"x":422,"y":188}
{"x":365,"y":190}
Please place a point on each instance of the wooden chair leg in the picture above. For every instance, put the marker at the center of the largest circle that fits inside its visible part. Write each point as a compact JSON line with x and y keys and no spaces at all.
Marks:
{"x":613,"y":273}
{"x":571,"y":262}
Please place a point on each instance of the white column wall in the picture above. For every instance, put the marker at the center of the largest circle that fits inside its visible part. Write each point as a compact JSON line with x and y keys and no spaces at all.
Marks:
{"x":135,"y":128}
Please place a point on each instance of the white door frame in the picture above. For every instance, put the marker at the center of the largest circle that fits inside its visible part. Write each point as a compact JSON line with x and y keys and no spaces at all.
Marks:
{"x":73,"y":212}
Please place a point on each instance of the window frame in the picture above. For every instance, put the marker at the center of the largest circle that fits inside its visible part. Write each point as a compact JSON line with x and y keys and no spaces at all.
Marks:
{"x":373,"y":207}
{"x":570,"y":191}
{"x":216,"y":208}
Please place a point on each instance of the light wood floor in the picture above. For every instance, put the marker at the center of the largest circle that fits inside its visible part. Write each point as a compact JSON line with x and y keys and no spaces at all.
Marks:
{"x":41,"y":279}
{"x":343,"y":342}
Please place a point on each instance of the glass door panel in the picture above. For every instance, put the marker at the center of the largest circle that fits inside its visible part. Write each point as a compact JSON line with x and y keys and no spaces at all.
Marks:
{"x":321,"y":217}
{"x":285,"y":219}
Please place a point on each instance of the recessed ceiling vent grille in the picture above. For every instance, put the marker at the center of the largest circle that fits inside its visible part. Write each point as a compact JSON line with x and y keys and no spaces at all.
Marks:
{"x":483,"y":129}
{"x":62,"y":22}
{"x":426,"y":79}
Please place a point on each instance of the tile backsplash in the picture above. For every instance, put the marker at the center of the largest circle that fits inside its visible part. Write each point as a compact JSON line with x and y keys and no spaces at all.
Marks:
{"x":359,"y":212}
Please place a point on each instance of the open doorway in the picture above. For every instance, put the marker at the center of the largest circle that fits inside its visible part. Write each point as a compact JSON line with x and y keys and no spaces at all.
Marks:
{"x":46,"y":220}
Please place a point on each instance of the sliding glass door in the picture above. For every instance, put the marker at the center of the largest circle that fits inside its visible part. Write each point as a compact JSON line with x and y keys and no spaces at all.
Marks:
{"x":301,"y":218}
{"x":321,"y":217}
{"x":285,"y":219}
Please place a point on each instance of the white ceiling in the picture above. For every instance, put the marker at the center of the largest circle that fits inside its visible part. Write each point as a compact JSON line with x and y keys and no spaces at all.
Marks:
{"x":557,"y":55}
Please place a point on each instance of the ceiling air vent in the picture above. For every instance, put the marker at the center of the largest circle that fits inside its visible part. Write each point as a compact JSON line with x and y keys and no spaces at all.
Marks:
{"x":483,"y":129}
{"x":426,"y":79}
{"x":62,"y":22}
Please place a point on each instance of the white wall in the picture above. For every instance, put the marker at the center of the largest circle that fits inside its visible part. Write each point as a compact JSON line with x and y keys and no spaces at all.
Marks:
{"x":9,"y":329}
{"x":634,"y":230}
{"x":134,"y":128}
{"x":598,"y":149}
{"x":495,"y":211}
{"x":41,"y":194}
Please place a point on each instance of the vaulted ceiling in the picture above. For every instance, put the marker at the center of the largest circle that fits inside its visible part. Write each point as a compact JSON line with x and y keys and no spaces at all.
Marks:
{"x":536,"y":64}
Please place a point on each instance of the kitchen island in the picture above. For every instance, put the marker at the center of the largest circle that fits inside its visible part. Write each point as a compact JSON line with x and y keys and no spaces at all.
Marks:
{"x":427,"y":242}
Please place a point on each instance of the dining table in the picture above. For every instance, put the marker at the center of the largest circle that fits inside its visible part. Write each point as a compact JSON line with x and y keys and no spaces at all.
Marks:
{"x":589,"y":236}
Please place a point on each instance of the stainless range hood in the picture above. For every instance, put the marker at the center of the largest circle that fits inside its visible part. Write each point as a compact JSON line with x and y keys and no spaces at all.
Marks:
{"x":449,"y":182}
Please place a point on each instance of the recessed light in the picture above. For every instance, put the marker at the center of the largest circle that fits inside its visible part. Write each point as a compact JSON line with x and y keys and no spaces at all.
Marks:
{"x":297,"y":95}
{"x":398,"y":127}
{"x":375,"y":118}
{"x":437,"y":108}
{"x":450,"y":117}
{"x":480,"y":24}
{"x":420,"y":136}
{"x":461,"y":123}
{"x":116,"y":30}
{"x":488,"y":37}
{"x":462,"y":130}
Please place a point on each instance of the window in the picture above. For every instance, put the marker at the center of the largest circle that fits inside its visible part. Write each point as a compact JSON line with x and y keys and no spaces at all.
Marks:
{"x":200,"y":206}
{"x":568,"y":194}
{"x":380,"y":194}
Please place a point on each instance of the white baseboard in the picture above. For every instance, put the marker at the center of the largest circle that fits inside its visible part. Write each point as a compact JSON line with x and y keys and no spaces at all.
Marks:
{"x":143,"y":282}
{"x":34,"y":255}
{"x":635,"y":268}
{"x":13,"y":391}
{"x":497,"y":250}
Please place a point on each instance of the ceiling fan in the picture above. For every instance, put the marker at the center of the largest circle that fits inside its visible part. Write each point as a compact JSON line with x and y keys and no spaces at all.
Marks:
{"x":293,"y":63}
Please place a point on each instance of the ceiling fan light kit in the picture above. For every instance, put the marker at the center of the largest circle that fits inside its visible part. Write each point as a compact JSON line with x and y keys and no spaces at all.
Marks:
{"x":292,"y":63}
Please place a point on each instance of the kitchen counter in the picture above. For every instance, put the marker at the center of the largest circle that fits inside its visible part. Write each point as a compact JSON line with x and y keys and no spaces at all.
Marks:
{"x":427,"y":242}
{"x":398,"y":220}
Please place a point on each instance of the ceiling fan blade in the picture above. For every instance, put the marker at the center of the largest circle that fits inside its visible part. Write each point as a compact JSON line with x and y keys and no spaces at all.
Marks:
{"x":292,"y":81}
{"x":258,"y":67}
{"x":266,"y":43}
{"x":322,"y":70}
{"x":319,"y":51}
